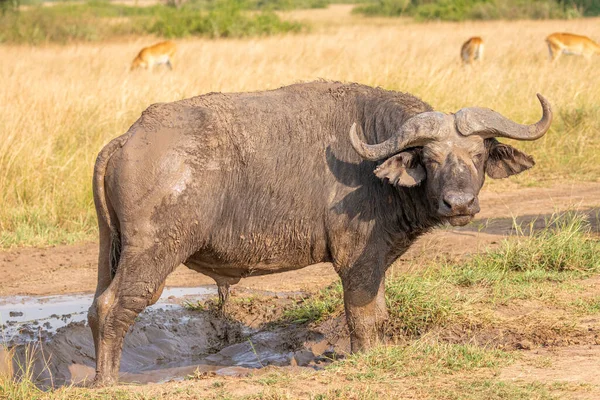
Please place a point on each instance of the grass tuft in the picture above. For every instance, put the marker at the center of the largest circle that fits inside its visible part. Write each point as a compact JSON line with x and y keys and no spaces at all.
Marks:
{"x":417,"y":303}
{"x":19,"y":382}
{"x":316,"y":307}
{"x":565,"y":248}
{"x":419,"y":358}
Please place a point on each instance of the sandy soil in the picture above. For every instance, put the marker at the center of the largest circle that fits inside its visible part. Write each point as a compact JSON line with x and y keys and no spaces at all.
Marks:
{"x":573,"y":364}
{"x":72,"y":269}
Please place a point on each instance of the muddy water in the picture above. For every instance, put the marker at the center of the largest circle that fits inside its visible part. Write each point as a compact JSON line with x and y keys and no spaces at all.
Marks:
{"x":27,"y":318}
{"x":166,"y":342}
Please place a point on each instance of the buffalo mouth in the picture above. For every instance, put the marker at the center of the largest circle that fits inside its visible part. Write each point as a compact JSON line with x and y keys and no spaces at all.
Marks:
{"x":460,"y":220}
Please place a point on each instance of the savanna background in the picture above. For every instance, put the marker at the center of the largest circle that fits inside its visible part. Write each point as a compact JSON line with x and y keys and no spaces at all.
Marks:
{"x":494,"y":310}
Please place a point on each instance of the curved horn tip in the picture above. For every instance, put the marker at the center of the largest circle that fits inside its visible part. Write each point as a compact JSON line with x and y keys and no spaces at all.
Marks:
{"x":353,"y":127}
{"x":543,"y":100}
{"x":355,"y":141}
{"x":354,"y":136}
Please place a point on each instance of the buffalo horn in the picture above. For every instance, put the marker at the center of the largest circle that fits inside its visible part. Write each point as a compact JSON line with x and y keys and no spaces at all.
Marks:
{"x":417,"y":131}
{"x":488,"y":123}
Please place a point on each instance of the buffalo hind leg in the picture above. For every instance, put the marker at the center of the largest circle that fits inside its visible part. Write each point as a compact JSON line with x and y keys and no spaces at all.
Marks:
{"x":364,"y":302}
{"x":138,"y":283}
{"x":104,"y":280}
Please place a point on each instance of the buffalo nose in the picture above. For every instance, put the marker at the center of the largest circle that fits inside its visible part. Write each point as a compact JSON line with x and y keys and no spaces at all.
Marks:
{"x":457,"y":203}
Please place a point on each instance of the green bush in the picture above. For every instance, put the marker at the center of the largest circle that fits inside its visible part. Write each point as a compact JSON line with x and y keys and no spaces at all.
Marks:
{"x":226,"y":18}
{"x":449,"y":10}
{"x":289,"y":4}
{"x":9,"y":5}
{"x":388,"y":8}
{"x":520,"y":9}
{"x":583,"y":7}
{"x":98,"y":20}
{"x":459,"y":10}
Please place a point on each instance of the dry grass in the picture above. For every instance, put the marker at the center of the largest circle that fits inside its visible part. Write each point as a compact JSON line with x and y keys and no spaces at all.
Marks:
{"x":61,"y":104}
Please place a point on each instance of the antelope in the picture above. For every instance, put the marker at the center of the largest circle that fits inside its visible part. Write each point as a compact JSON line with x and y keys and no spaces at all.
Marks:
{"x":159,"y":53}
{"x":472,"y":50}
{"x":570,"y":43}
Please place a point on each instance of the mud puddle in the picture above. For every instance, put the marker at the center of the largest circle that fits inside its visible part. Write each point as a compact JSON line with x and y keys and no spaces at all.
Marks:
{"x":167,"y":342}
{"x":30,"y":318}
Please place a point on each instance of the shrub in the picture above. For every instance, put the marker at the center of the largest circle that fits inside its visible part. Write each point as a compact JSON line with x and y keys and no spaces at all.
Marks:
{"x":459,"y":10}
{"x":98,"y":20}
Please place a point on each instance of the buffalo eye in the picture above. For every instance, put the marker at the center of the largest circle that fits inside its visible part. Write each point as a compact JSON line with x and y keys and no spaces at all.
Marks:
{"x":478,"y":158}
{"x":432,"y":162}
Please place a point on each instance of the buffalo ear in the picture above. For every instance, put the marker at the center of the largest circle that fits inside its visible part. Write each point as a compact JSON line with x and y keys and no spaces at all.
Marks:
{"x":504,"y":160}
{"x":403,"y":169}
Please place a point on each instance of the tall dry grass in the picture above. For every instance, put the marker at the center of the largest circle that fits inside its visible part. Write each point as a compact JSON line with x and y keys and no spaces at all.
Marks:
{"x":59,"y":105}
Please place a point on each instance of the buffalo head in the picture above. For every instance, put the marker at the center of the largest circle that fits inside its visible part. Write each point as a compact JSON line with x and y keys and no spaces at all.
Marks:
{"x":451,"y":153}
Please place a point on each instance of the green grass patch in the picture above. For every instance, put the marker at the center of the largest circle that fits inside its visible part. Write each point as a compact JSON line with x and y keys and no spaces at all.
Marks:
{"x":587,"y":306}
{"x":36,"y":227}
{"x":419,"y":359}
{"x":195,"y":305}
{"x":227,"y":18}
{"x":564,"y":250}
{"x":316,"y":307}
{"x":417,"y":303}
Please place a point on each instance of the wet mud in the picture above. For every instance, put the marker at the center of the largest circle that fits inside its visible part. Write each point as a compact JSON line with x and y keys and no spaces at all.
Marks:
{"x":50,"y":336}
{"x":28,"y":318}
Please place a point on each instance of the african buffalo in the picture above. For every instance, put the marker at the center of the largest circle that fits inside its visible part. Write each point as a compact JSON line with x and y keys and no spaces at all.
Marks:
{"x":241,"y":184}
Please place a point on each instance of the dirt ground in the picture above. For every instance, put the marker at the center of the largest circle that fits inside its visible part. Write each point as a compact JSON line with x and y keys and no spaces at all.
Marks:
{"x":573,"y":361}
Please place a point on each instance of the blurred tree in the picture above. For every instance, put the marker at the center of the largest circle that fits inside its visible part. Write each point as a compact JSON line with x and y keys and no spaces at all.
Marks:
{"x":174,"y":3}
{"x":585,"y":7}
{"x":9,"y":5}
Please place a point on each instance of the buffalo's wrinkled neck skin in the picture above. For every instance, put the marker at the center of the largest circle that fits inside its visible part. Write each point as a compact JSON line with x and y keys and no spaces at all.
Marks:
{"x":414,"y":215}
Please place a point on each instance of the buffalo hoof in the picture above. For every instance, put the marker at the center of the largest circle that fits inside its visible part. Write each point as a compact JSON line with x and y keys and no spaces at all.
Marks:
{"x":102,"y":381}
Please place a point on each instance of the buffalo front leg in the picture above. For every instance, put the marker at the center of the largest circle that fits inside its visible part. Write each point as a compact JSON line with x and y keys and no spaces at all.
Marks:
{"x":138,"y":283}
{"x":223,"y":290}
{"x":364,"y":302}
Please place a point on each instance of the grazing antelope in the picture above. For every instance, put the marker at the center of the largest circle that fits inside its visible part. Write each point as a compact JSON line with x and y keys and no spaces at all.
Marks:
{"x":570,"y":43}
{"x":159,"y":53}
{"x":472,"y":50}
